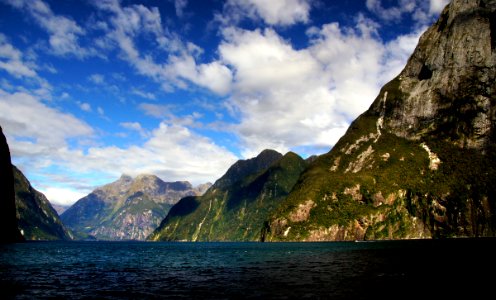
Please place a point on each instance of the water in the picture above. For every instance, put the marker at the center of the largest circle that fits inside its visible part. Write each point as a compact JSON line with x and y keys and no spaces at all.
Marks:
{"x":133,"y":270}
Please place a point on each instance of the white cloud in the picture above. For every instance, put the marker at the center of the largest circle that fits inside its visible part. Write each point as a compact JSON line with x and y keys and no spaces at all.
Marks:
{"x":214,"y":76}
{"x":393,"y":13}
{"x":437,"y":6}
{"x":180,"y":5}
{"x":274,"y":12}
{"x":136,"y":127}
{"x":36,"y":127}
{"x":155,"y":110}
{"x":63,"y":32}
{"x":421,"y":11}
{"x":179,"y":66}
{"x":11,"y":60}
{"x":97,"y":78}
{"x":39,"y":137}
{"x":172,"y":152}
{"x":85,"y":106}
{"x":143,"y":94}
{"x":316,"y":91}
{"x":63,"y":196}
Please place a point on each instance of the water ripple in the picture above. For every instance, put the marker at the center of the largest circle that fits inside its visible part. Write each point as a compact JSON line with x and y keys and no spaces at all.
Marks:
{"x":104,"y":270}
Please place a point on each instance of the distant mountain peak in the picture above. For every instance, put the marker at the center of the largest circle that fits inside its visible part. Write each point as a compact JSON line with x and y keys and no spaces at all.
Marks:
{"x":128,"y":208}
{"x":144,"y":177}
{"x":125,"y":177}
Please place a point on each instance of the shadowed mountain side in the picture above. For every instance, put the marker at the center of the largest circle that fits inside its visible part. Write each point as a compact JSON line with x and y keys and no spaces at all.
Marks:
{"x":37,"y":218}
{"x":8,"y":220}
{"x":234,"y":211}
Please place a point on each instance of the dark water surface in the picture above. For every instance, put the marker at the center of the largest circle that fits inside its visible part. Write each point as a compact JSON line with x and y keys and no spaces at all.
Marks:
{"x":347,"y":270}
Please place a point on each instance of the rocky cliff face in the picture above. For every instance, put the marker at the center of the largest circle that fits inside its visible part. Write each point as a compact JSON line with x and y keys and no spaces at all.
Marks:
{"x":8,"y":220}
{"x":420,"y":162}
{"x":127,"y":209}
{"x":447,"y":88}
{"x":236,"y":206}
{"x":37,"y":219}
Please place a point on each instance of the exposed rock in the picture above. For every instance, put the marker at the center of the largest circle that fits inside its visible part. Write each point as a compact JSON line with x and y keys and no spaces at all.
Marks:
{"x":302,"y":212}
{"x":434,"y":160}
{"x":354,"y":192}
{"x":127,"y":209}
{"x":363,"y":160}
{"x":447,"y":86}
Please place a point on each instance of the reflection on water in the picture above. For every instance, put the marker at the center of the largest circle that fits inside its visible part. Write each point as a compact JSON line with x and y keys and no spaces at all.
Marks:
{"x":116,"y":270}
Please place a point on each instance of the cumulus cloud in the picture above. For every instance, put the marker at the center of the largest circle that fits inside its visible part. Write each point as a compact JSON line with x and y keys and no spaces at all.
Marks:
{"x":393,"y":13}
{"x":419,"y":10}
{"x":155,"y":110}
{"x":180,"y":5}
{"x":275,"y":12}
{"x":85,"y":106}
{"x":437,"y":6}
{"x":143,"y":94}
{"x":136,"y":127}
{"x":39,"y":137}
{"x":97,"y":78}
{"x":316,"y":91}
{"x":12,"y":61}
{"x":63,"y":196}
{"x":37,"y":128}
{"x":179,"y":66}
{"x":172,"y":152}
{"x":63,"y":32}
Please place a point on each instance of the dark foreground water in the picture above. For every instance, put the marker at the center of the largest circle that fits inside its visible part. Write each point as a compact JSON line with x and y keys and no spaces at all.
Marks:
{"x":363,"y":270}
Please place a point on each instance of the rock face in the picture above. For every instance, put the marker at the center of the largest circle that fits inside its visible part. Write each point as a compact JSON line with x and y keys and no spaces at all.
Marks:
{"x":37,"y":219}
{"x":235,"y":207}
{"x":447,"y":88}
{"x":420,"y":162}
{"x":127,"y":209}
{"x":8,"y":220}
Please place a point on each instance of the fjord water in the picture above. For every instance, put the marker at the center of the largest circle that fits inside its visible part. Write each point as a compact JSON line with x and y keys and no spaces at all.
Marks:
{"x":339,"y":270}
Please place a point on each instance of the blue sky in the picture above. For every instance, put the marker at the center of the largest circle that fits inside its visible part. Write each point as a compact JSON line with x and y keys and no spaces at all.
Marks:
{"x":93,"y":89}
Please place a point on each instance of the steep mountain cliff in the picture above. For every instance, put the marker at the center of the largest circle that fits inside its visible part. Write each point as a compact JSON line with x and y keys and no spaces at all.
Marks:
{"x":127,"y":209}
{"x":8,"y":220}
{"x":235,"y":207}
{"x":421,"y":161}
{"x":37,"y":219}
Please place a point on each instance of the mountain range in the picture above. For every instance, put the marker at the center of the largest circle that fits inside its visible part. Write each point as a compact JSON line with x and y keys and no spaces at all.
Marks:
{"x":127,"y":209}
{"x":235,"y":207}
{"x":419,"y":163}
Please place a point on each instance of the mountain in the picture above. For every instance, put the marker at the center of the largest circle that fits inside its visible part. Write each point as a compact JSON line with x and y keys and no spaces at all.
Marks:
{"x":8,"y":220}
{"x":235,"y":207}
{"x":59,"y":208}
{"x":37,"y":220}
{"x":421,"y":161}
{"x":127,"y":209}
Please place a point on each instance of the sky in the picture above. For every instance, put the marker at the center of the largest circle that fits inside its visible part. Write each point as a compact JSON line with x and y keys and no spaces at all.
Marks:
{"x":182,"y":89}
